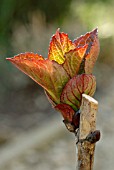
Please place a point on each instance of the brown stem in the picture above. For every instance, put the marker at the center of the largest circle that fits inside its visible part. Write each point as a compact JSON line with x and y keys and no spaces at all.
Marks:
{"x":87,"y":125}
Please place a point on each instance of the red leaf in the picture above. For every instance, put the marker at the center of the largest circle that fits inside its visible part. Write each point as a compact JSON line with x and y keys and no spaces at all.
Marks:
{"x":66,"y":111}
{"x":91,"y":38}
{"x":73,"y":59}
{"x":59,"y":45}
{"x":49,"y":74}
{"x":73,"y":90}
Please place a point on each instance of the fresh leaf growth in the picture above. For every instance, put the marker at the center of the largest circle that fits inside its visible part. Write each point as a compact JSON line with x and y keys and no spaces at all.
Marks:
{"x":73,"y":90}
{"x":66,"y":73}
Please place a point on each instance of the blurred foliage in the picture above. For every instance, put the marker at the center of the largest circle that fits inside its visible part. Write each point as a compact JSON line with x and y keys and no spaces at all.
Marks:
{"x":12,"y":11}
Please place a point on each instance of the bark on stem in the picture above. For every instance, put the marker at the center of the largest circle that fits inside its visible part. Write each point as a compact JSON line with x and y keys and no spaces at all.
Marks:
{"x":87,"y":125}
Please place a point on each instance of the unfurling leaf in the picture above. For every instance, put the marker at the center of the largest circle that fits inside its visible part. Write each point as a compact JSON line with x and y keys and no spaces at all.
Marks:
{"x":49,"y":74}
{"x":59,"y":45}
{"x":66,"y":111}
{"x":73,"y":59}
{"x":71,"y":119}
{"x":90,"y":38}
{"x":72,"y":92}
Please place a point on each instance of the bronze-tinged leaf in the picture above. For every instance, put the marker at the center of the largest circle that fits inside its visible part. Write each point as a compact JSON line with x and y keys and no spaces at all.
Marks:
{"x":91,"y":38}
{"x":51,"y":100}
{"x":73,"y":60}
{"x":59,"y":45}
{"x":66,"y":111}
{"x":49,"y":74}
{"x":73,"y":90}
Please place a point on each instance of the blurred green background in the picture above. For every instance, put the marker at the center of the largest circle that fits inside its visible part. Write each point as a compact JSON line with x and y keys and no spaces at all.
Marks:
{"x":27,"y":25}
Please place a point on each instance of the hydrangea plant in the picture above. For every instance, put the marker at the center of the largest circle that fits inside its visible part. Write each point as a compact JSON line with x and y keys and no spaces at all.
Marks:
{"x":66,"y":73}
